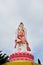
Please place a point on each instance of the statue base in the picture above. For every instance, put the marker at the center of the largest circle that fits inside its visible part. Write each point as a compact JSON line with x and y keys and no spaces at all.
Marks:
{"x":21,"y":56}
{"x":21,"y":62}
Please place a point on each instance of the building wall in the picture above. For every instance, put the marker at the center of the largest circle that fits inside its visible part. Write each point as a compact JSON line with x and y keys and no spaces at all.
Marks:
{"x":20,"y":63}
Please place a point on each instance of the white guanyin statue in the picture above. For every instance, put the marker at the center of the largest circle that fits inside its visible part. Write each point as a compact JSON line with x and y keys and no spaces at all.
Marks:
{"x":21,"y":38}
{"x":23,"y":48}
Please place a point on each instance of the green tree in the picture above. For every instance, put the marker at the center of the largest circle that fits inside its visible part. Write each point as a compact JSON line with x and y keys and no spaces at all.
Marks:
{"x":3,"y":58}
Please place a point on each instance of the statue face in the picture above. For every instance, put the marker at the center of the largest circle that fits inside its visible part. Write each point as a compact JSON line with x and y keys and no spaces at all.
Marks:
{"x":21,"y":24}
{"x":20,"y":28}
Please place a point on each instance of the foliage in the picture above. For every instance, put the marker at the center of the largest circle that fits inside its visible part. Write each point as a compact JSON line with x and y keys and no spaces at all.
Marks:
{"x":3,"y":58}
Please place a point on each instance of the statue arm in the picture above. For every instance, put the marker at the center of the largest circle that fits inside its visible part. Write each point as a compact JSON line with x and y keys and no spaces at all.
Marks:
{"x":25,"y":32}
{"x":16,"y":33}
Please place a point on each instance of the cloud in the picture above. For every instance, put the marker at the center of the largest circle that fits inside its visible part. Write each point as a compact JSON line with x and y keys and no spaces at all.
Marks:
{"x":31,"y":13}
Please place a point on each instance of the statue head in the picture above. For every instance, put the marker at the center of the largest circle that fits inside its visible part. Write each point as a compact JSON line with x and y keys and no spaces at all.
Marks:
{"x":21,"y":26}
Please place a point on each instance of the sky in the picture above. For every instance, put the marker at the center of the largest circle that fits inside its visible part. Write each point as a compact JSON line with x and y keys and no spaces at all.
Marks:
{"x":30,"y":12}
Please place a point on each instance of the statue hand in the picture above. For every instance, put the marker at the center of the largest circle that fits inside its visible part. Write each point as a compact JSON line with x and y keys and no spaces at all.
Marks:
{"x":15,"y":46}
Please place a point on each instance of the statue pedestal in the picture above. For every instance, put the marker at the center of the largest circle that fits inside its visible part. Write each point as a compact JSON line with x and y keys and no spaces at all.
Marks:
{"x":21,"y":56}
{"x":21,"y":62}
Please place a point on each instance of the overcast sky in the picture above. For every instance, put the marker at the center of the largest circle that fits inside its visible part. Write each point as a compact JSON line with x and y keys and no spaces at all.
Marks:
{"x":30,"y":12}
